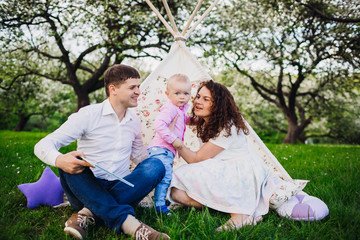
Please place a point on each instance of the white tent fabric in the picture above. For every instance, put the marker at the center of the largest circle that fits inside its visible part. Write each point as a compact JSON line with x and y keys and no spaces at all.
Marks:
{"x":180,"y":60}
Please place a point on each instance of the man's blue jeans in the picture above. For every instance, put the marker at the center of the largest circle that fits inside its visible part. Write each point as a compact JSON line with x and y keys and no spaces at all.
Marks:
{"x":112,"y":201}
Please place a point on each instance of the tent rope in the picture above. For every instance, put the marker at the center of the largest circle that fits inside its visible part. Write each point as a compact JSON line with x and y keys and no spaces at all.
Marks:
{"x":180,"y":38}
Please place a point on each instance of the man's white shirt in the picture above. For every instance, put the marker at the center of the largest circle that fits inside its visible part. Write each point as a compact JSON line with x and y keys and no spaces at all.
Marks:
{"x":102,"y":138}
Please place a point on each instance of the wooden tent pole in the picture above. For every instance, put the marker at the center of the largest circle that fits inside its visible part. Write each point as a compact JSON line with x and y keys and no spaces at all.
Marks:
{"x":168,"y":27}
{"x":170,"y":16}
{"x":201,"y":18}
{"x":191,"y":17}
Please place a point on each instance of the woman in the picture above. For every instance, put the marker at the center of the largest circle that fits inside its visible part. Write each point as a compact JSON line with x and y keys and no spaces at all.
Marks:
{"x":222,"y":174}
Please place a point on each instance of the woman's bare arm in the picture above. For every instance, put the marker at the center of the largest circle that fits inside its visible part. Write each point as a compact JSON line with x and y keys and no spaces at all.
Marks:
{"x":208,"y":150}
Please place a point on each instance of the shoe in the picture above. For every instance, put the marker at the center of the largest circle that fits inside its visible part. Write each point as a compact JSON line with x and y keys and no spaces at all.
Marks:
{"x":76,"y":225}
{"x":163,"y":209}
{"x":144,"y":232}
{"x":230,"y":225}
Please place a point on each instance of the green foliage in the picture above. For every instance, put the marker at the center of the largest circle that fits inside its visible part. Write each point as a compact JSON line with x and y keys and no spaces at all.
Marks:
{"x":7,"y":120}
{"x":261,"y":116}
{"x":291,"y":59}
{"x":74,"y":42}
{"x":336,"y":111}
{"x":31,"y":97}
{"x":268,"y":136}
{"x":333,"y":172}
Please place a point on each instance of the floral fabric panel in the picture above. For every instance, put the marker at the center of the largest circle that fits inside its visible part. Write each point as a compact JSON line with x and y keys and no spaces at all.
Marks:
{"x":285,"y":190}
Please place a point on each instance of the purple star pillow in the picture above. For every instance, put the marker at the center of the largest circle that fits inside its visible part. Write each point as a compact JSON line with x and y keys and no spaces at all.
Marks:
{"x":46,"y":191}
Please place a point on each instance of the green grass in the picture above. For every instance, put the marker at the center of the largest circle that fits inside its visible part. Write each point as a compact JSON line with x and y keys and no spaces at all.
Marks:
{"x":333,"y":171}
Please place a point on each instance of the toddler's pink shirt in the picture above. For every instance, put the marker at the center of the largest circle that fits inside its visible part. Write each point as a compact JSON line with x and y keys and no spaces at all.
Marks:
{"x":164,"y":136}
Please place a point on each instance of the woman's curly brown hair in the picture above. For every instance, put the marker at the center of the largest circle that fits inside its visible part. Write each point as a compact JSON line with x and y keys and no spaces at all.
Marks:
{"x":224,"y":113}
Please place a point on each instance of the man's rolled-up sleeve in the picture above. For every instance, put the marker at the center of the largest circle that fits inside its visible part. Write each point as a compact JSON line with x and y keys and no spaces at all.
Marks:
{"x":47,"y":149}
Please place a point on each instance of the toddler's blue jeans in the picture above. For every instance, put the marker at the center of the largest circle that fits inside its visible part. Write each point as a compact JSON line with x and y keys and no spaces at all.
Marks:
{"x":167,"y":158}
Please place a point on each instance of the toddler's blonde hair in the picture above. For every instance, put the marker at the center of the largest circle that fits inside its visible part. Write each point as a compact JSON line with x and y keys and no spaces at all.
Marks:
{"x":177,"y":78}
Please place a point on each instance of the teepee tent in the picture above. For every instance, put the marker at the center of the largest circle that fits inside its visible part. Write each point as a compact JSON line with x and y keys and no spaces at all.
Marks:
{"x":180,"y":60}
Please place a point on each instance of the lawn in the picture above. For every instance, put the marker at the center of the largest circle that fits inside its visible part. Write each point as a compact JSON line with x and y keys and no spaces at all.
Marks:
{"x":333,"y":171}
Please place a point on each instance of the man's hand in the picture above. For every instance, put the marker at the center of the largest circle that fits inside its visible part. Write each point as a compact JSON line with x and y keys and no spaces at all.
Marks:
{"x":70,"y":164}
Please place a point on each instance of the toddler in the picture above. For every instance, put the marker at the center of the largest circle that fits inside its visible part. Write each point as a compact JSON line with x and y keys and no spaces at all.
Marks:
{"x":178,"y":92}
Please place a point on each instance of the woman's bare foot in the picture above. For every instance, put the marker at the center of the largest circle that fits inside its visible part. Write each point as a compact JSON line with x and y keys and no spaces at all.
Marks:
{"x":258,"y":219}
{"x":237,"y":221}
{"x":181,"y":196}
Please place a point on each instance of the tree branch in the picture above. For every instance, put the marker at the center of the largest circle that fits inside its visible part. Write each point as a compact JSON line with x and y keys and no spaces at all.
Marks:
{"x":13,"y":81}
{"x":92,"y":81}
{"x":43,"y":53}
{"x":273,"y":126}
{"x":279,"y":90}
{"x":62,"y":80}
{"x":83,"y":54}
{"x":258,"y":87}
{"x":328,"y":17}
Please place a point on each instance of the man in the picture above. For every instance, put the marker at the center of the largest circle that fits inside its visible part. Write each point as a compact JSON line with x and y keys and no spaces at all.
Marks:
{"x":108,"y":135}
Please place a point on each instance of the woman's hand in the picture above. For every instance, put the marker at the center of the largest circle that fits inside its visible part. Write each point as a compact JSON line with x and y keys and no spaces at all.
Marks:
{"x":172,"y":124}
{"x":178,"y":144}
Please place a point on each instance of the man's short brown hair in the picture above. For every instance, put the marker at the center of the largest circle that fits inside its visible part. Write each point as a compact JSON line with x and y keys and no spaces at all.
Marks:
{"x":117,"y":74}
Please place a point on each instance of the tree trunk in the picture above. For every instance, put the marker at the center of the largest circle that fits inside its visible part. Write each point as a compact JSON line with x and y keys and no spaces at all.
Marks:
{"x":292,"y":134}
{"x":83,"y":100}
{"x":296,"y":132}
{"x":23,"y":119}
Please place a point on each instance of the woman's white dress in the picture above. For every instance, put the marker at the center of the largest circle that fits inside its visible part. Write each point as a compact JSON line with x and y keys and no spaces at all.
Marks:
{"x":234,"y":181}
